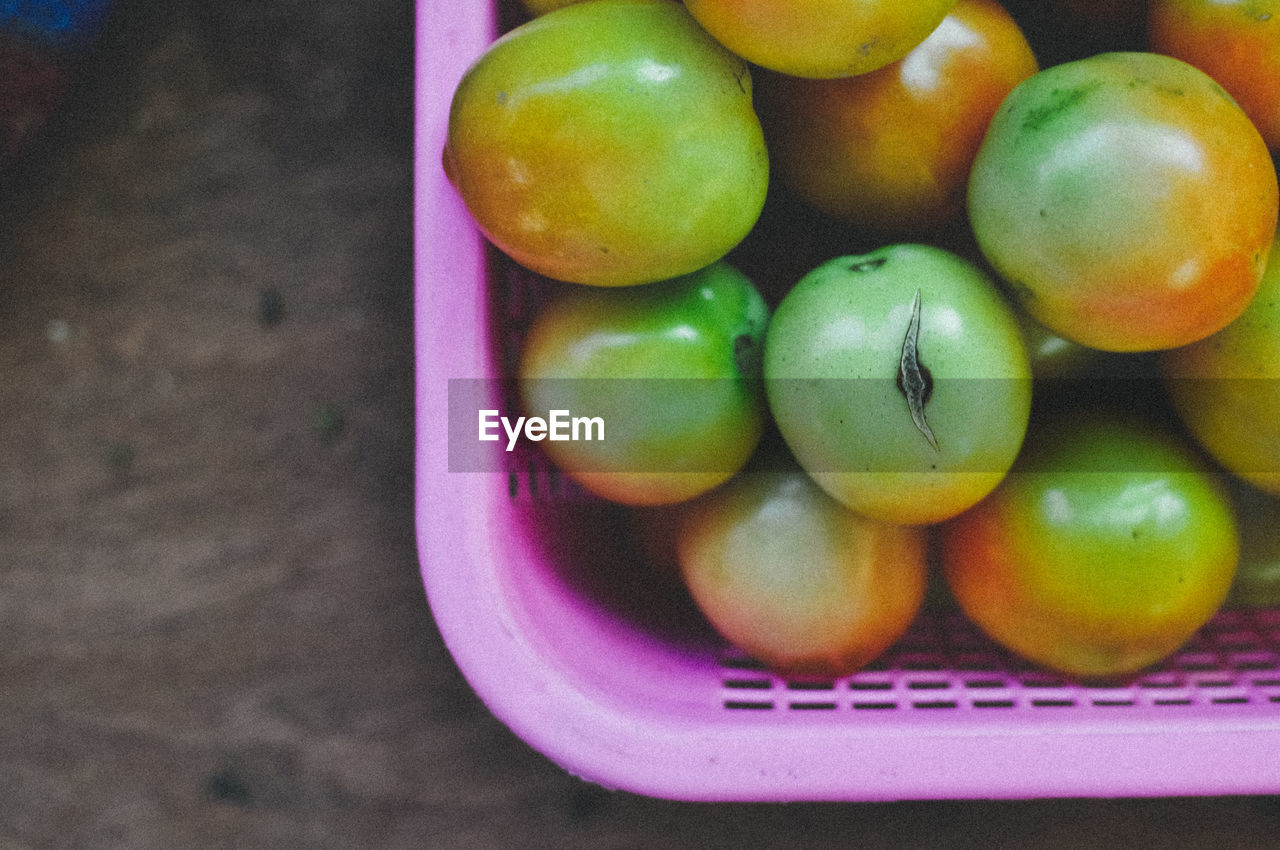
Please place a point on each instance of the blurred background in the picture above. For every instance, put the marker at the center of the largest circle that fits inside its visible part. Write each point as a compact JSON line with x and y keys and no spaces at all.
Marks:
{"x":212,"y":628}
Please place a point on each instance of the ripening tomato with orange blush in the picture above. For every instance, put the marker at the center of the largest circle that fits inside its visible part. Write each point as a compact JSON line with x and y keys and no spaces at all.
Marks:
{"x":1237,"y":42}
{"x":1104,"y":550}
{"x":1127,"y":201}
{"x":891,"y":150}
{"x":608,"y":143}
{"x":794,"y":578}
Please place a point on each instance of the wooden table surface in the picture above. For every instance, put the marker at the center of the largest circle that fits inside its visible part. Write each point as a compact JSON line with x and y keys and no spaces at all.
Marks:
{"x":212,"y":629}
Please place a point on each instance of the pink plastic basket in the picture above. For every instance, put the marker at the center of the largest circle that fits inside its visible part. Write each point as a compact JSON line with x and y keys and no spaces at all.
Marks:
{"x":590,"y":661}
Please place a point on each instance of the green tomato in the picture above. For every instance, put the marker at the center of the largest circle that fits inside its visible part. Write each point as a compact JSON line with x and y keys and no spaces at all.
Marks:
{"x":794,"y":578}
{"x":1227,"y":388}
{"x":610,"y":143}
{"x":900,"y":381}
{"x":671,"y":370}
{"x":1102,"y":552}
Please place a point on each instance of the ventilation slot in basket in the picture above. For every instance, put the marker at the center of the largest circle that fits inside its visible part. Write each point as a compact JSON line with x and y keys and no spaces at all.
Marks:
{"x":945,"y":664}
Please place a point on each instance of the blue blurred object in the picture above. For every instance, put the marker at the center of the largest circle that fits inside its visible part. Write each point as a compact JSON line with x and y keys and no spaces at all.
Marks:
{"x":41,"y":42}
{"x":60,"y":24}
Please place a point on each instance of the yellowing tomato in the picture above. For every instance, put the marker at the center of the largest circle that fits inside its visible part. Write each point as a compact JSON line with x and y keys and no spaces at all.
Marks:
{"x":891,"y":149}
{"x":1126,"y":200}
{"x":610,"y":143}
{"x":820,"y":38}
{"x":1102,"y":552}
{"x":794,"y":578}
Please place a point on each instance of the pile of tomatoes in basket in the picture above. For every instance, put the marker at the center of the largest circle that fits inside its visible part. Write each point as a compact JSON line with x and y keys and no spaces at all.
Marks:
{"x":848,"y":292}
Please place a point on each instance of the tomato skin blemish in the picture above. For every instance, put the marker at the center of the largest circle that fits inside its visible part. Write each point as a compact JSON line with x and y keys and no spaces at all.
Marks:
{"x":914,"y":381}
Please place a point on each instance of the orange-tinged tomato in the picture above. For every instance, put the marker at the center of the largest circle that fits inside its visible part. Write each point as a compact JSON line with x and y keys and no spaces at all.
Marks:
{"x":820,"y":38}
{"x":1237,"y":42}
{"x":891,"y":149}
{"x":1102,"y":552}
{"x":1126,"y":199}
{"x":795,"y":579}
{"x":609,"y":143}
